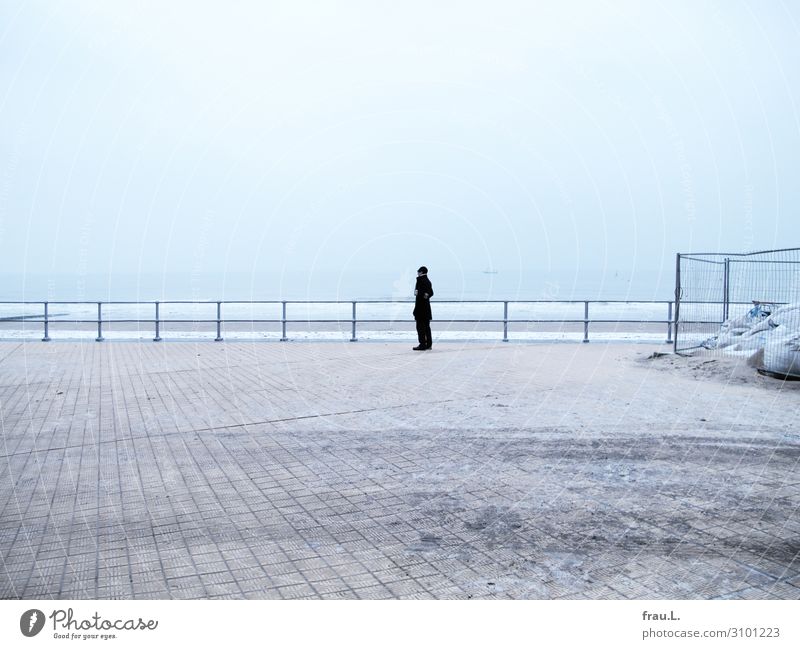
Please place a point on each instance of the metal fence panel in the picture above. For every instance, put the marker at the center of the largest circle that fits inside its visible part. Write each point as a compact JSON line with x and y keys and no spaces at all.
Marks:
{"x":711,"y":288}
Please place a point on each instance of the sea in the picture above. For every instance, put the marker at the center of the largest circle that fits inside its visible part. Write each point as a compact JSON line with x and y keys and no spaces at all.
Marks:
{"x":330,"y":284}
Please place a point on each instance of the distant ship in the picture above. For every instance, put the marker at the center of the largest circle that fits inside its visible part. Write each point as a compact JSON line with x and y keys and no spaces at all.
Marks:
{"x":490,"y":271}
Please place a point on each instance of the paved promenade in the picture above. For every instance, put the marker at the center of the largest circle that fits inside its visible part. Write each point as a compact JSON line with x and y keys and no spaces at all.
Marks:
{"x":367,"y":470}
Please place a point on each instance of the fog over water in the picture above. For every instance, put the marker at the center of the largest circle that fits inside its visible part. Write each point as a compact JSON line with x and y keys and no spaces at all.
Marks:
{"x":297,"y":150}
{"x":395,"y":284}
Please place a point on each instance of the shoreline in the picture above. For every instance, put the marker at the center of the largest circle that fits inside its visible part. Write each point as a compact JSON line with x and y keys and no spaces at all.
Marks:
{"x":366,"y":336}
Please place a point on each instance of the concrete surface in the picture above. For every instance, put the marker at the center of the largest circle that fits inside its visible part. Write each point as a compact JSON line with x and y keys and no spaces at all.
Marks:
{"x":366,"y":470}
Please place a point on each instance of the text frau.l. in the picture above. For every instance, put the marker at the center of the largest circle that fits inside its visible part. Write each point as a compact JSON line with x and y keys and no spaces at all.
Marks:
{"x":67,"y":621}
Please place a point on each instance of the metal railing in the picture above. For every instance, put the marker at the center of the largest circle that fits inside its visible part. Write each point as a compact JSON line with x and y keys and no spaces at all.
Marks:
{"x":158,"y":321}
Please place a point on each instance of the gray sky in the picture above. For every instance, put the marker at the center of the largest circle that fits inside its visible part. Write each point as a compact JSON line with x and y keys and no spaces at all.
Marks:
{"x":222,"y":137}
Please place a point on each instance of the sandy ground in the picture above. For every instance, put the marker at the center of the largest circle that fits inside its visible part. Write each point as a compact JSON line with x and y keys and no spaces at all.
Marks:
{"x":286,"y":470}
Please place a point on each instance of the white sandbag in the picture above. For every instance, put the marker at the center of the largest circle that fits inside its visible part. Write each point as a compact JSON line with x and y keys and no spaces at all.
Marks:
{"x":772,"y":333}
{"x":787,"y":316}
{"x":732,"y":330}
{"x":782,"y":355}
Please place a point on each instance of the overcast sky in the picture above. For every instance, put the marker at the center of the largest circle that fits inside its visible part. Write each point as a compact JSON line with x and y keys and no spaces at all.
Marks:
{"x":261,"y":137}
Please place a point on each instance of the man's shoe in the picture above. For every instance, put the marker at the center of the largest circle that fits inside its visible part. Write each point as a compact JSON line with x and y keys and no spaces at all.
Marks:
{"x":419,"y":348}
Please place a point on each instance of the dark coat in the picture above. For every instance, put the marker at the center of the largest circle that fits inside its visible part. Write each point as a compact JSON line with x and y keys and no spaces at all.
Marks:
{"x":422,"y":305}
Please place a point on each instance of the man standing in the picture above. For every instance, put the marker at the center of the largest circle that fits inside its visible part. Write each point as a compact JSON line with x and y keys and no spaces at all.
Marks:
{"x":422,"y":309}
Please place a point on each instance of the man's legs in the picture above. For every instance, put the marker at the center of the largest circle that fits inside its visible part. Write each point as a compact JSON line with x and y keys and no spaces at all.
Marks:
{"x":427,"y":333}
{"x":421,"y":333}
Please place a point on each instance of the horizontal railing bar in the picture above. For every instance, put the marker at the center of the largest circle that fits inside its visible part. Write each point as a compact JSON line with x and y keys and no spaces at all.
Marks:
{"x":365,"y":320}
{"x":684,"y":255}
{"x":718,"y":302}
{"x":364,"y":301}
{"x":763,"y":261}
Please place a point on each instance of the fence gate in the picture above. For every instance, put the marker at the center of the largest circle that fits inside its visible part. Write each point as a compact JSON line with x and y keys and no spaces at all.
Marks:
{"x":713,"y":287}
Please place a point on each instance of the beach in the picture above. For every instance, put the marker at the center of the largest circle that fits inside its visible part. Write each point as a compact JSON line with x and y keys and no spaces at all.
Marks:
{"x":367,"y":470}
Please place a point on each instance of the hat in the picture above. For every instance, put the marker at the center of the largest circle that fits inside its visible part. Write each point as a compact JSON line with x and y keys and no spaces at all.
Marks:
{"x":422,"y":269}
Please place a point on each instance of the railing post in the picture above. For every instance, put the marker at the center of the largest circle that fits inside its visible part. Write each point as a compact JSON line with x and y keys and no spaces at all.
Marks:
{"x":726,"y":288}
{"x":283,"y":322}
{"x":669,"y":324}
{"x":353,"y":335}
{"x":46,"y":325}
{"x":99,"y":323}
{"x":158,"y":325}
{"x":586,"y":321}
{"x":219,"y":322}
{"x":678,"y":296}
{"x":505,"y":321}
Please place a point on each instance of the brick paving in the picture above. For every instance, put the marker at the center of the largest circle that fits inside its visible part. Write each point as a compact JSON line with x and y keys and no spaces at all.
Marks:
{"x":366,"y":470}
